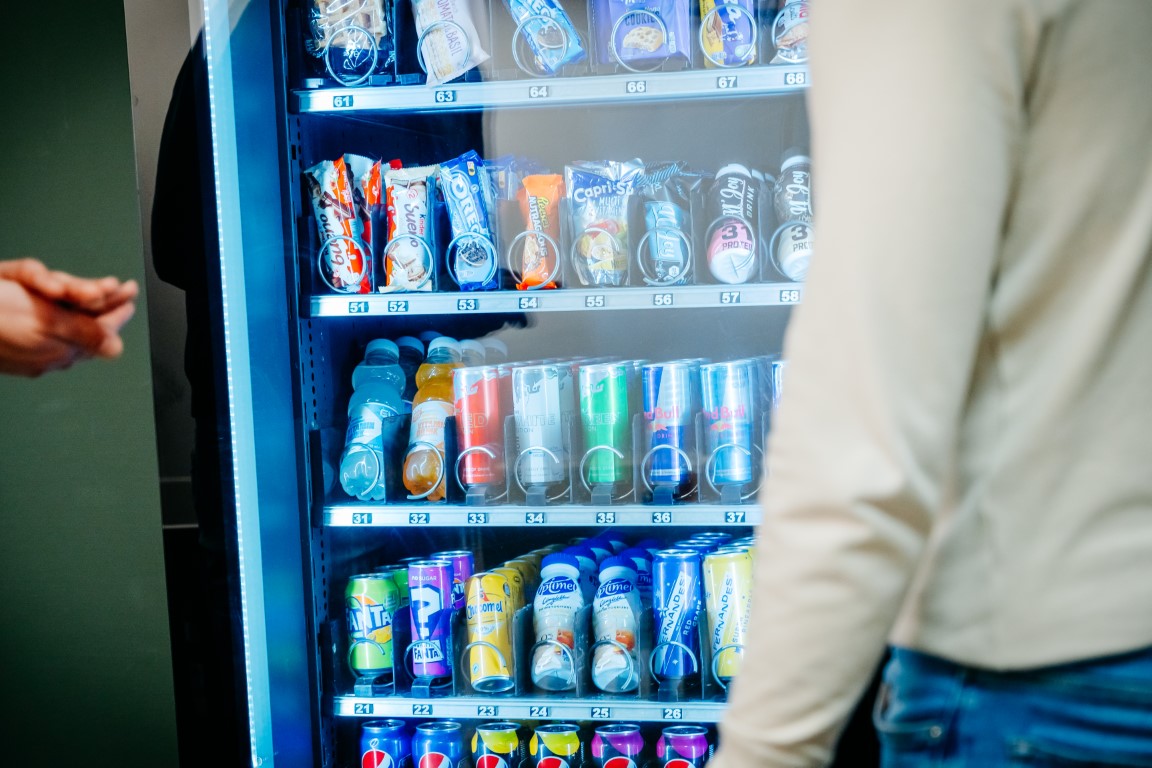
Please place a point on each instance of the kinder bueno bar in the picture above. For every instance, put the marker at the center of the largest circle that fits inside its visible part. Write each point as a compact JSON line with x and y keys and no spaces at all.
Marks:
{"x":472,"y":251}
{"x":345,"y":261}
{"x":549,"y":32}
{"x":448,"y":43}
{"x":732,"y":207}
{"x":408,"y":257}
{"x":539,"y":197}
{"x":639,"y":34}
{"x":368,"y":194}
{"x":790,"y":33}
{"x":598,"y":195}
{"x":728,"y":32}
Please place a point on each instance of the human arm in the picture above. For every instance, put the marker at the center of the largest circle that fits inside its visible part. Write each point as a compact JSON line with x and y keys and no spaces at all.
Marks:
{"x":917,"y":114}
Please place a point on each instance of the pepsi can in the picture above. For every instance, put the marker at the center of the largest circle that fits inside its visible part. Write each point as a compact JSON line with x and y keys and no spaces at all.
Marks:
{"x":676,"y":601}
{"x":496,"y":745}
{"x":439,"y":744}
{"x":729,"y":391}
{"x":670,"y":395}
{"x":385,"y":744}
{"x":617,"y":745}
{"x":430,"y":595}
{"x":556,"y":745}
{"x":683,"y":746}
{"x":463,"y":566}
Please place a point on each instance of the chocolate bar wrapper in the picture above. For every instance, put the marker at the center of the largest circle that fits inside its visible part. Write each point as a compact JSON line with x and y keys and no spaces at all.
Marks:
{"x":644,"y":31}
{"x":539,"y":197}
{"x":598,"y":199}
{"x":345,"y":263}
{"x":474,"y":258}
{"x":552,"y":39}
{"x":368,"y":193}
{"x":342,"y":25}
{"x":409,"y":261}
{"x":666,"y":191}
{"x":790,"y":33}
{"x":449,"y":44}
{"x":729,"y":36}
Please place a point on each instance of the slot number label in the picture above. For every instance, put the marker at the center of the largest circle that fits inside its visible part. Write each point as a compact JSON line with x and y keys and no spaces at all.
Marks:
{"x":730,"y":297}
{"x":529,"y":302}
{"x":795,"y":78}
{"x":735,"y":518}
{"x":661,"y":518}
{"x":726,"y":82}
{"x":467,"y":305}
{"x":534,"y":518}
{"x":357,"y":307}
{"x":421,"y":710}
{"x":790,"y":296}
{"x":539,"y":713}
{"x":342,"y":102}
{"x":445,"y":97}
{"x":538,"y":92}
{"x":477,"y":518}
{"x":662,"y":299}
{"x":594,"y":302}
{"x":636,"y":86}
{"x":397,"y":307}
{"x":601,"y":713}
{"x":418,"y":518}
{"x":486,"y":710}
{"x":605,"y":518}
{"x":363,"y":709}
{"x":673,"y":713}
{"x":361,"y":518}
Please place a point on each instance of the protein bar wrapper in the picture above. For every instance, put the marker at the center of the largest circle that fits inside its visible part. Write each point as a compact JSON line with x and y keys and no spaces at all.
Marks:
{"x":474,"y":259}
{"x":449,"y":44}
{"x":790,"y":33}
{"x":540,"y":196}
{"x":598,"y":194}
{"x":346,"y":264}
{"x":639,"y":31}
{"x":729,"y":34}
{"x":409,"y":260}
{"x":549,"y":32}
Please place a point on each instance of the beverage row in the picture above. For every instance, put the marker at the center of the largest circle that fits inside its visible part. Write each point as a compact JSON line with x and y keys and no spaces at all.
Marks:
{"x":594,"y":616}
{"x":508,"y":744}
{"x":471,"y":224}
{"x":370,"y":42}
{"x":596,"y":430}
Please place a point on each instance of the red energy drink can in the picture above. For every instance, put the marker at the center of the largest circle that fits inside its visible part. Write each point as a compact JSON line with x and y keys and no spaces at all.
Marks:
{"x":479,"y":424}
{"x":683,"y":746}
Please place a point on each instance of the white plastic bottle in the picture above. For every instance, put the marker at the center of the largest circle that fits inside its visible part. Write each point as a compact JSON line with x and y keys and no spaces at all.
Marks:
{"x":374,"y":415}
{"x":589,"y":567}
{"x":472,"y":352}
{"x":554,"y":614}
{"x":615,"y":625}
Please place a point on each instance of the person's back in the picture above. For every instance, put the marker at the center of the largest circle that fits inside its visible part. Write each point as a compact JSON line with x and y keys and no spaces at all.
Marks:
{"x":969,"y":393}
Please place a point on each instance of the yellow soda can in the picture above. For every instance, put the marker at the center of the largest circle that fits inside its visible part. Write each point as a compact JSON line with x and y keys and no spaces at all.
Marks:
{"x":728,"y":601}
{"x":515,"y":585}
{"x":488,"y":611}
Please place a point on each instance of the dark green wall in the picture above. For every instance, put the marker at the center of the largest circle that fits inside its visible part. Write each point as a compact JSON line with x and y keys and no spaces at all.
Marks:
{"x":86,"y":676}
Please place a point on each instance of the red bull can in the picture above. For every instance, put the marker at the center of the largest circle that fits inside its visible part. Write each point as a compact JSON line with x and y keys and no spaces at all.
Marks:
{"x":670,"y":396}
{"x":676,"y":604}
{"x":371,"y":603}
{"x":728,"y":600}
{"x":543,"y":407}
{"x":728,"y":391}
{"x":430,"y":591}
{"x":683,"y":746}
{"x":385,"y":744}
{"x":439,"y":744}
{"x":556,"y":745}
{"x":496,"y":745}
{"x":618,"y":745}
{"x":479,"y":424}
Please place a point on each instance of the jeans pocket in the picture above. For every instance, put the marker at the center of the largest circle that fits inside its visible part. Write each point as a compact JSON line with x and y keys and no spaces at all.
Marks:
{"x":911,"y":728}
{"x":1044,"y":753}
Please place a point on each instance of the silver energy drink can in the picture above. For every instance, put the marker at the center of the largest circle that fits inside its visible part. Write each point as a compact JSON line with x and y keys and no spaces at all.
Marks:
{"x":543,"y":406}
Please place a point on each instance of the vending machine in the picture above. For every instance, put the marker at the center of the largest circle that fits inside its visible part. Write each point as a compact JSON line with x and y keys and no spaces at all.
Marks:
{"x":504,"y":285}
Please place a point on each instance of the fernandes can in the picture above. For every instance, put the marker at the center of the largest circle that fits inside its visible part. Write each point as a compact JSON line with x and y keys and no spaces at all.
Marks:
{"x":728,"y":598}
{"x":385,"y":744}
{"x":676,"y":604}
{"x":439,"y":744}
{"x":556,"y":745}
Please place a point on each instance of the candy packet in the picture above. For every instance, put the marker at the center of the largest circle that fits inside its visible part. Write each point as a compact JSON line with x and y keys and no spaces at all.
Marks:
{"x":666,"y":193}
{"x":409,"y":261}
{"x":539,"y":198}
{"x":448,"y":43}
{"x":728,"y":32}
{"x":549,"y":33}
{"x":790,"y":33}
{"x":345,"y":262}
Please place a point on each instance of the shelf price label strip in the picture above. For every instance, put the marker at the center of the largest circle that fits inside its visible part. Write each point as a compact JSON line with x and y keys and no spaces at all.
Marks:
{"x":472,"y":707}
{"x":455,"y":516}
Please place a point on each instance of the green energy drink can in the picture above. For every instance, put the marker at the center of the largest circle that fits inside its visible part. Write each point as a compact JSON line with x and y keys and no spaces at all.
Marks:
{"x":604,"y":415}
{"x":372,"y":601}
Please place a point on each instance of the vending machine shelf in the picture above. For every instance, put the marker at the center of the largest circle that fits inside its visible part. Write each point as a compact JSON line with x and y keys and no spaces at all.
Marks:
{"x":563,"y":300}
{"x":531,"y":708}
{"x":599,"y":90}
{"x":457,"y":516}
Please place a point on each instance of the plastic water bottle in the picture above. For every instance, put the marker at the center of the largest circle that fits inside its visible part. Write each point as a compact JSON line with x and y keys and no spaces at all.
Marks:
{"x":615,"y":624}
{"x":425,"y":466}
{"x":411,"y":356}
{"x":555,"y":611}
{"x":374,"y":415}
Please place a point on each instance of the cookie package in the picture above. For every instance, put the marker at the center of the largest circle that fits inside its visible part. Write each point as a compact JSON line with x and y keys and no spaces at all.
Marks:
{"x":641,"y":35}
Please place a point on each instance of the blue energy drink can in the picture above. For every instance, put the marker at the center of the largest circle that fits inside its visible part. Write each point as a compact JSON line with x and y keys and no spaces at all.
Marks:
{"x":670,"y":396}
{"x":676,"y":597}
{"x":385,"y":744}
{"x":729,"y":393}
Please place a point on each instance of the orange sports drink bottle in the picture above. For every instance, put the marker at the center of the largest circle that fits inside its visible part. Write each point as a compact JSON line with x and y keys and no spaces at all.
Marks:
{"x":424,"y":465}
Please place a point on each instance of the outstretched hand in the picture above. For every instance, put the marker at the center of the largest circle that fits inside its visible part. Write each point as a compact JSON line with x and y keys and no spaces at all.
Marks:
{"x":50,"y":319}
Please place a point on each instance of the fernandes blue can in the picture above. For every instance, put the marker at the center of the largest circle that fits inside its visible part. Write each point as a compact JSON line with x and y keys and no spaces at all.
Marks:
{"x":430,"y":595}
{"x":729,"y":393}
{"x":676,"y":598}
{"x":670,"y":396}
{"x":439,"y":744}
{"x":385,"y":744}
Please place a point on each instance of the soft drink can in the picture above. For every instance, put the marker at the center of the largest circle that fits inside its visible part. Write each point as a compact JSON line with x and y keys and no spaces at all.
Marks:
{"x":728,"y":599}
{"x":438,"y":744}
{"x":463,"y":566}
{"x":617,"y":745}
{"x":515,"y":581}
{"x":604,"y":415}
{"x":676,"y":604}
{"x":716,"y":537}
{"x":669,"y":399}
{"x":399,"y":575}
{"x":385,"y":744}
{"x":683,"y":746}
{"x":496,"y":745}
{"x":371,"y":601}
{"x":556,"y":745}
{"x":430,"y":590}
{"x":652,"y":545}
{"x":529,"y":568}
{"x":696,"y":545}
{"x":489,"y":615}
{"x":479,"y":424}
{"x":542,"y":405}
{"x":728,"y":391}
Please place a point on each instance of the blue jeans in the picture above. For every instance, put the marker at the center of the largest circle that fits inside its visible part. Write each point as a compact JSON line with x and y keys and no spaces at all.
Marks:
{"x":932,"y":712}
